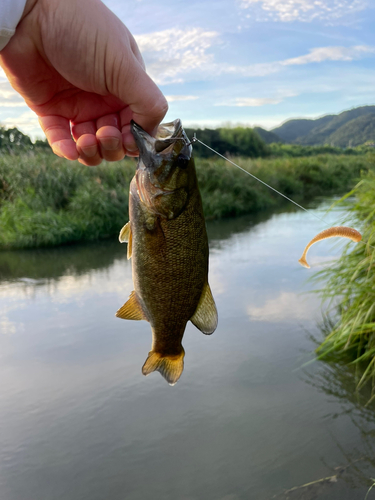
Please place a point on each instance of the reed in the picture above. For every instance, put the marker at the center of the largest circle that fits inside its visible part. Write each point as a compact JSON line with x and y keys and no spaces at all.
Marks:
{"x":349,"y":290}
{"x":48,"y":201}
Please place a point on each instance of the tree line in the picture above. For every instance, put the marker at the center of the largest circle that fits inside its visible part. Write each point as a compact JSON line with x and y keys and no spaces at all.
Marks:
{"x":236,"y":141}
{"x":13,"y":140}
{"x":227,"y":141}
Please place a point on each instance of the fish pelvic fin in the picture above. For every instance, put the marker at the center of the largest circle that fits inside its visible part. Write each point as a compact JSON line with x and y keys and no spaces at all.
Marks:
{"x":303,"y":262}
{"x":205,"y":317}
{"x":125,"y":236}
{"x":131,"y":309}
{"x":170,"y":366}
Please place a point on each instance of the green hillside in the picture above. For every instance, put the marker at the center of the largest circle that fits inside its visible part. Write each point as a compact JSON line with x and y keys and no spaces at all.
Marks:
{"x":291,"y":130}
{"x":356,"y":132}
{"x":266,"y":136}
{"x":350,"y":128}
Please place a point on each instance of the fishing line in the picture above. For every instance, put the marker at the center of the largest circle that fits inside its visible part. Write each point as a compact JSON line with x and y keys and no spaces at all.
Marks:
{"x":195,"y":139}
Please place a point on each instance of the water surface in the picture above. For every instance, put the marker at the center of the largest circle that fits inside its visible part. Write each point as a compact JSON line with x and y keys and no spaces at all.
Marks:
{"x":79,"y":421}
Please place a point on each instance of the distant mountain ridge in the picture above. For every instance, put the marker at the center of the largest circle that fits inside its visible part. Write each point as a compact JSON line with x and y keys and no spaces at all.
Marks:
{"x":348,"y":129}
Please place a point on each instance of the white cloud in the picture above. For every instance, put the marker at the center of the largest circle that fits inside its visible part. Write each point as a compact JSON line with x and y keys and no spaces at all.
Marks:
{"x":27,"y":122}
{"x":250,"y":102}
{"x":287,"y":306}
{"x":175,"y":56}
{"x":170,"y":53}
{"x":302,"y":10}
{"x":172,"y":98}
{"x":316,"y":55}
{"x":7,"y":327}
{"x":258,"y":101}
{"x":9,"y":97}
{"x":321,"y":54}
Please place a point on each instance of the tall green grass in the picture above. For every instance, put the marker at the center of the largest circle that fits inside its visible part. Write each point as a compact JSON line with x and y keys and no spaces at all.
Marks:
{"x":46,"y":201}
{"x":349,"y":291}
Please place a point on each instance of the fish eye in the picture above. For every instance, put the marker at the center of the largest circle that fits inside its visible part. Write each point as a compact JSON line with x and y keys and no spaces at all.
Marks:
{"x":182,"y":161}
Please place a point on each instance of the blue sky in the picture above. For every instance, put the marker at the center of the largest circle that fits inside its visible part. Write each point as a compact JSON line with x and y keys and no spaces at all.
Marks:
{"x":249,"y":62}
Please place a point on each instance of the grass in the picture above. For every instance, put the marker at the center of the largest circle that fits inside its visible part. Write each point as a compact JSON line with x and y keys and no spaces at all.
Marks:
{"x":350,"y":291}
{"x":48,"y":201}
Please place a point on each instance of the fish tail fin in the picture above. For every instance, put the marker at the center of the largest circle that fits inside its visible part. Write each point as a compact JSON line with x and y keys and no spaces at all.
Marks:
{"x":303,"y":262}
{"x":169,"y":366}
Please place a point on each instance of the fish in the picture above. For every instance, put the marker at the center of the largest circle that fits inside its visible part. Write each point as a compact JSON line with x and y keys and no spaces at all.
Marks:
{"x":168,"y":246}
{"x":343,"y":231}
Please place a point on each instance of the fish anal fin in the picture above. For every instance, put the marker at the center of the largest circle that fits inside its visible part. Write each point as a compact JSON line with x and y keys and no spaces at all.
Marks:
{"x":125,"y":236}
{"x":131,"y":309}
{"x":170,"y":367}
{"x":205,"y":316}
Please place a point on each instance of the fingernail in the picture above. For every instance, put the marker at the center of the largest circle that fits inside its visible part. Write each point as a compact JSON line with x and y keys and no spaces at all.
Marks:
{"x":90,"y":151}
{"x":131,"y":146}
{"x":110,"y":143}
{"x":66,"y":149}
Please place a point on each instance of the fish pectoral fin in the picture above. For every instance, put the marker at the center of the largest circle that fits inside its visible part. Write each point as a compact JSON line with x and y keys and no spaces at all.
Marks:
{"x":130,"y":245}
{"x":131,"y":309}
{"x":205,"y":316}
{"x":125,"y":236}
{"x":124,"y":233}
{"x":170,"y":367}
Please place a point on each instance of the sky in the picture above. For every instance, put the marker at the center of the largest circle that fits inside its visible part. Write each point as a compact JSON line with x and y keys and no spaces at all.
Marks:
{"x":244,"y":62}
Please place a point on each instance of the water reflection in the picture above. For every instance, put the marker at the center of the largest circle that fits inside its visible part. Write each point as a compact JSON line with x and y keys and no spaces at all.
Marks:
{"x":51,"y":263}
{"x":338,"y":381}
{"x":80,"y":422}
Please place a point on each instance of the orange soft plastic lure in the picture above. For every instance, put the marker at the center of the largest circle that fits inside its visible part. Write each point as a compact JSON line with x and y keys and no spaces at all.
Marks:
{"x":342,"y":231}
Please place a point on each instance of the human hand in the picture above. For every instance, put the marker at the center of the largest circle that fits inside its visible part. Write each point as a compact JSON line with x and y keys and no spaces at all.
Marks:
{"x":79,"y":68}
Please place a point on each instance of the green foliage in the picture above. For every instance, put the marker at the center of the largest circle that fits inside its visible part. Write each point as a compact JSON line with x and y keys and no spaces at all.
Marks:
{"x":226,"y":192}
{"x":266,"y":136}
{"x":348,"y":129}
{"x":46,"y":201}
{"x":12,"y":140}
{"x":229,"y":141}
{"x":349,"y":289}
{"x":297,"y":150}
{"x":355,"y":132}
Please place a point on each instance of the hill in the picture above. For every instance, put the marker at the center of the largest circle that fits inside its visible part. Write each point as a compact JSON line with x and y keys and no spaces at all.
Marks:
{"x":349,"y":128}
{"x":266,"y":136}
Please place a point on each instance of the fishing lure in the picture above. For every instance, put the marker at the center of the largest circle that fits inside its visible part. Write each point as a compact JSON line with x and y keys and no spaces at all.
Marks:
{"x":343,"y":231}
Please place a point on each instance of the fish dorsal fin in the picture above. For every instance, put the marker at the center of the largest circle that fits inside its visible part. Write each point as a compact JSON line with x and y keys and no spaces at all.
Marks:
{"x":131,"y":309}
{"x":205,"y":316}
{"x":171,"y":367}
{"x":125,"y":236}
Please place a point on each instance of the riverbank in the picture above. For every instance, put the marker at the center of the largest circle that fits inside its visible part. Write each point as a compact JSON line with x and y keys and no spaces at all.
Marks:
{"x":48,"y":201}
{"x":349,"y":289}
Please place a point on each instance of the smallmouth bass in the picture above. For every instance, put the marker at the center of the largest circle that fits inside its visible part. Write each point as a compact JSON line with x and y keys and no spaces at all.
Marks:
{"x":167,"y":242}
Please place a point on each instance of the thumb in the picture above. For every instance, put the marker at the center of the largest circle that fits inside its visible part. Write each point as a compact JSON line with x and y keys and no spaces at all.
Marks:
{"x":146,"y":104}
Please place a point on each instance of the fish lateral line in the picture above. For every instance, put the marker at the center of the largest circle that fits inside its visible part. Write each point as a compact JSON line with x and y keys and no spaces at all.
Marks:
{"x":341,"y":231}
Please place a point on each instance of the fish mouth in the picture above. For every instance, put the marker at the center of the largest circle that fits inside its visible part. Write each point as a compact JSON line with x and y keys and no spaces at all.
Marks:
{"x":170,"y":137}
{"x":159,"y":157}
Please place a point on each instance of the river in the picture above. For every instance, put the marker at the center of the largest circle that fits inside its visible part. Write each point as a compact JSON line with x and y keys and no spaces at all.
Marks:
{"x":250,"y":417}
